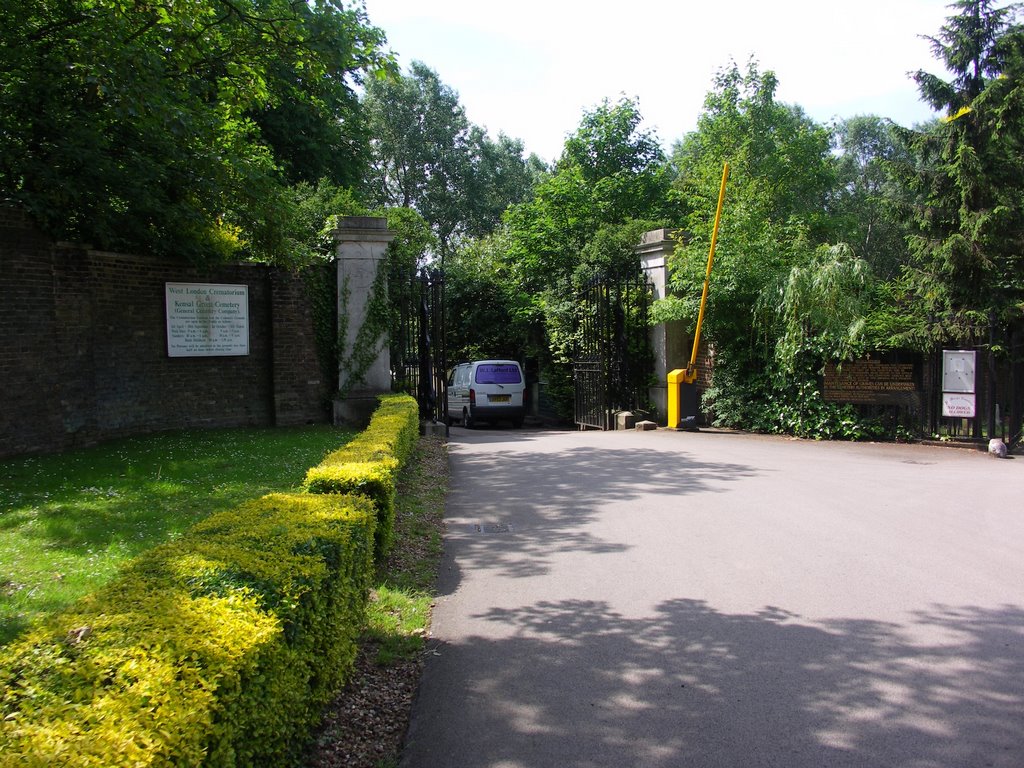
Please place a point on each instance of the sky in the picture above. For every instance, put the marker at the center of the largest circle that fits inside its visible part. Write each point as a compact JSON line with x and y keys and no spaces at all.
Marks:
{"x":530,"y":68}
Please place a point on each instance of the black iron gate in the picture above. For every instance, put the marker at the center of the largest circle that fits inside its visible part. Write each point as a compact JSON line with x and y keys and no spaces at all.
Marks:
{"x":417,"y":341}
{"x":613,"y":358}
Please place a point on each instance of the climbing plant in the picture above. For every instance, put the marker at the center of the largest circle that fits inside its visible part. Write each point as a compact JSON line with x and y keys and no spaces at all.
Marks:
{"x":370,"y":337}
{"x":321,"y":289}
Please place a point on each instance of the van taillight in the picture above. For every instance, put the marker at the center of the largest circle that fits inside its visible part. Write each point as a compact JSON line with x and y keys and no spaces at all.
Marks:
{"x":472,"y":396}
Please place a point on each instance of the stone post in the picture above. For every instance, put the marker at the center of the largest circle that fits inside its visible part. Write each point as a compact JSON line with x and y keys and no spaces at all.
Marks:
{"x":668,"y":340}
{"x":364,"y":364}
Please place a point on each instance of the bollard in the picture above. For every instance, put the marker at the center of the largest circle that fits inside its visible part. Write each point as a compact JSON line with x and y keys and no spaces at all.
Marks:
{"x":675,"y":379}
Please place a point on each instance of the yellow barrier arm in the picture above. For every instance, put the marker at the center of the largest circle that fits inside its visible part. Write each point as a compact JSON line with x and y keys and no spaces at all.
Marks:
{"x":690,"y":375}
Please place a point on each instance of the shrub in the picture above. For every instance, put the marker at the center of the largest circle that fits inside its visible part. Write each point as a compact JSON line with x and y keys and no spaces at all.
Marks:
{"x":218,"y":649}
{"x":369,"y":464}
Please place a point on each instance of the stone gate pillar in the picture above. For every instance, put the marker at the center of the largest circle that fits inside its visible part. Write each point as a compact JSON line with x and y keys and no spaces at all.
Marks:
{"x":364,"y":365}
{"x":668,"y":340}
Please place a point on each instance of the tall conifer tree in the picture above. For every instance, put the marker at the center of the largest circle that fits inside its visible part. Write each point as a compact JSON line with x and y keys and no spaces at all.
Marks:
{"x":968,"y":248}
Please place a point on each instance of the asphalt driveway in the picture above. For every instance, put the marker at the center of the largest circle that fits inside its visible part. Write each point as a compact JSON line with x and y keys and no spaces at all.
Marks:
{"x":679,"y":599}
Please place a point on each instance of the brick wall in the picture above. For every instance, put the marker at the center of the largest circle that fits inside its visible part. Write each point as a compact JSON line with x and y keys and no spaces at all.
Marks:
{"x":302,"y":389}
{"x":83,"y":348}
{"x":27,"y":322}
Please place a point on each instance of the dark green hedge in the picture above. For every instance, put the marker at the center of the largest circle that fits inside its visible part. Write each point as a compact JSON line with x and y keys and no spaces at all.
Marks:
{"x":369,"y":464}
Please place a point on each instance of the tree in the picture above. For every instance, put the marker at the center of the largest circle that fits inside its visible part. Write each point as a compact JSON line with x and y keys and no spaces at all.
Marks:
{"x":779,"y":157}
{"x":488,"y":316}
{"x":968,"y":239}
{"x":773,"y":265}
{"x":867,"y":193}
{"x":611,"y":175}
{"x":312,"y":119}
{"x":498,"y":177}
{"x":610,"y":172}
{"x":316,"y":208}
{"x":132,"y":125}
{"x":966,"y":280}
{"x":780,"y":182}
{"x":428,"y":156}
{"x":419,"y":132}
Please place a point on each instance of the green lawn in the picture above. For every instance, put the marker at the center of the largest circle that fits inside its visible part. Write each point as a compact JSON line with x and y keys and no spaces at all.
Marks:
{"x":68,"y":521}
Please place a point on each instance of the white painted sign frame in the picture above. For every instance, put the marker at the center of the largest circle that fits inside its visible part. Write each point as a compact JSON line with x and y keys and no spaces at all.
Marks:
{"x":958,"y":383}
{"x":207,"y":319}
{"x":958,"y":367}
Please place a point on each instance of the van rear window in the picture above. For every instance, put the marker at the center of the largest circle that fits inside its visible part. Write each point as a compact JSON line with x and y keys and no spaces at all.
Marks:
{"x":498,"y":374}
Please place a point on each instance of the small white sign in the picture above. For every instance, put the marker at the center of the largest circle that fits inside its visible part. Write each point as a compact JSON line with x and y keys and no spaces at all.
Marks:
{"x":958,"y":405}
{"x":958,"y":370}
{"x":207,"y":319}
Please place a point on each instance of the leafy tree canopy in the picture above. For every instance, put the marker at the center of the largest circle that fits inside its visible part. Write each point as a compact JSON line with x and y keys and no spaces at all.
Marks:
{"x":780,"y":182}
{"x":610,"y":172}
{"x":864,"y":209}
{"x":781,"y":300}
{"x":778,"y":155}
{"x":161,"y":126}
{"x":488,"y":316}
{"x":583,"y":218}
{"x":428,"y":156}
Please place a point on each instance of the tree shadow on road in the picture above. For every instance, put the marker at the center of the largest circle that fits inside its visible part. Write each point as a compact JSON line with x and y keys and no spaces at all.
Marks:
{"x":512,"y":512}
{"x":578,"y":684}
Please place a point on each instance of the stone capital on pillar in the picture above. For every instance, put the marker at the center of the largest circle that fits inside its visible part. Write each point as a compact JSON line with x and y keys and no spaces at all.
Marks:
{"x":658,"y":243}
{"x":352,"y":231}
{"x":364,"y":365}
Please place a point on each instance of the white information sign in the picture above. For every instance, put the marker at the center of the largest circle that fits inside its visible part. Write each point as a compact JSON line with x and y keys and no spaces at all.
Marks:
{"x":207,"y":319}
{"x":958,"y":405}
{"x":958,"y":370}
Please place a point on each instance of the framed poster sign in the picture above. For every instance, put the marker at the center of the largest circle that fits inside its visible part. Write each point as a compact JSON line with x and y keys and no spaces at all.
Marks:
{"x":207,"y":319}
{"x":958,"y":370}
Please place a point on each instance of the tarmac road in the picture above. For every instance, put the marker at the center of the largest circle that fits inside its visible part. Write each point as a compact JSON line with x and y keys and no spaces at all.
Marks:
{"x":680,"y":599}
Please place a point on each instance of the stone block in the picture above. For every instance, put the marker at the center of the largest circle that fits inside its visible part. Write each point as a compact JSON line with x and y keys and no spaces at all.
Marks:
{"x":355,"y":410}
{"x":624,"y":420}
{"x":433,"y":429}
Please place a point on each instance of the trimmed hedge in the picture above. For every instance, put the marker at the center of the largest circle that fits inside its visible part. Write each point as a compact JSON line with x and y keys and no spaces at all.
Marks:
{"x":218,"y":649}
{"x":369,"y":464}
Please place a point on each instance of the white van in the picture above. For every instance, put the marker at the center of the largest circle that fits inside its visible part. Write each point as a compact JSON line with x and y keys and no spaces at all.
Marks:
{"x":486,"y":390}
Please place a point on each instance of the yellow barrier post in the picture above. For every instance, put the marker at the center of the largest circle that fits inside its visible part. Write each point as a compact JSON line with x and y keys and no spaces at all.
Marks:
{"x":675,"y":378}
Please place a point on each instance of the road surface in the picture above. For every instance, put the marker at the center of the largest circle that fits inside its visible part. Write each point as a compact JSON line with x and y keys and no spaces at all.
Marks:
{"x":709,"y":599}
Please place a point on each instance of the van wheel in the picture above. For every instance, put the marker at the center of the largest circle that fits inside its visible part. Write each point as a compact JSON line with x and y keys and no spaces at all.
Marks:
{"x":467,"y":421}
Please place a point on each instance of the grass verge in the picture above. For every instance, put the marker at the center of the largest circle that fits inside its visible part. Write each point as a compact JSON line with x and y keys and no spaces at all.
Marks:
{"x":69,"y":521}
{"x":365,"y":726}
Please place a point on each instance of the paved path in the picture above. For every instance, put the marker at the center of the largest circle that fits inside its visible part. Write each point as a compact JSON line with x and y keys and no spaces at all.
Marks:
{"x":675,"y":599}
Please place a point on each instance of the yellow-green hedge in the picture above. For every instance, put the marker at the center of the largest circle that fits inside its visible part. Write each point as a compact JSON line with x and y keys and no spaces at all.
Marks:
{"x":369,"y":464}
{"x":218,"y":649}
